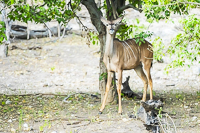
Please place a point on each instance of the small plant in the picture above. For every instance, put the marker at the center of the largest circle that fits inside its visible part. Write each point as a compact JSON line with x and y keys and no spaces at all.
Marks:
{"x":20,"y":118}
{"x":3,"y":103}
{"x":179,"y":97}
{"x":154,"y":93}
{"x":135,"y":109}
{"x":53,"y":68}
{"x":41,"y":128}
{"x":103,"y":76}
{"x":198,"y":95}
{"x":160,"y":112}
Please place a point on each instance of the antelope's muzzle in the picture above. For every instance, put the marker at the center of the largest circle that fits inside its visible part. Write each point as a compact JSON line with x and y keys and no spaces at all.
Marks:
{"x":112,"y":31}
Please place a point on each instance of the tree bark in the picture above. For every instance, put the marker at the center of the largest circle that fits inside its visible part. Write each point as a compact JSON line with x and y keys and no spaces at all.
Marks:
{"x":3,"y":50}
{"x":95,"y":15}
{"x":4,"y":46}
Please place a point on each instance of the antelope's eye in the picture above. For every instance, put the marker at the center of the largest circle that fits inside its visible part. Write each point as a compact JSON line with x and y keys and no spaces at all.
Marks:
{"x":106,"y":24}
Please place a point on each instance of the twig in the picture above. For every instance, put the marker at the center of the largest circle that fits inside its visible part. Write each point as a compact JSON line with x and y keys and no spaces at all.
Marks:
{"x":172,"y":122}
{"x":130,"y":6}
{"x":160,"y":123}
{"x":65,"y":99}
{"x":82,"y":124}
{"x":85,"y":27}
{"x":48,"y":41}
{"x":48,"y":28}
{"x":36,"y":94}
{"x":65,"y":119}
{"x":170,"y":85}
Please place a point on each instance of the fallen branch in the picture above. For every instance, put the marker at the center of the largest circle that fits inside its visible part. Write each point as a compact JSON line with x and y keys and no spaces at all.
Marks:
{"x":162,"y":124}
{"x":29,"y":48}
{"x":65,"y":99}
{"x":18,"y":31}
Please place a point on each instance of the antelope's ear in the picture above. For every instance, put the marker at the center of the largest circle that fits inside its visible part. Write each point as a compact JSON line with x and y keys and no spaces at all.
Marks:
{"x":117,"y":21}
{"x":104,"y":21}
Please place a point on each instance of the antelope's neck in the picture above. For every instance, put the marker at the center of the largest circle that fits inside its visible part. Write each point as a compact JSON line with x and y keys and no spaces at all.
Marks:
{"x":109,"y":45}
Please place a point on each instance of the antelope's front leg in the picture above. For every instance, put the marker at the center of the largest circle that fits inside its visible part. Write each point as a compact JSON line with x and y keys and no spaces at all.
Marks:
{"x":106,"y":92}
{"x":119,"y":90}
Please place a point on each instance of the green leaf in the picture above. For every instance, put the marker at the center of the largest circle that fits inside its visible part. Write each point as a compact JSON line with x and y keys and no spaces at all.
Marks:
{"x":137,"y":40}
{"x":3,"y":103}
{"x":12,"y":2}
{"x":93,"y":42}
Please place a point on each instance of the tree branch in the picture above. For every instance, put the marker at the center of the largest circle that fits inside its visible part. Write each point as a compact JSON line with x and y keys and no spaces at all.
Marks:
{"x":115,"y":14}
{"x":130,"y":6}
{"x":85,"y":27}
{"x":192,"y":3}
{"x":48,"y":28}
{"x":95,"y":15}
{"x":108,"y":4}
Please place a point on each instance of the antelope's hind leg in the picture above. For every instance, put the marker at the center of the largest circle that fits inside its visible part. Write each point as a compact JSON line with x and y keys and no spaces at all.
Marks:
{"x":109,"y":79}
{"x":147,"y":67}
{"x":142,"y":75}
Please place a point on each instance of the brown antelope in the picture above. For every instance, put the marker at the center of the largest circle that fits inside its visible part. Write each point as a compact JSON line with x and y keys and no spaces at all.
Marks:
{"x":126,"y":55}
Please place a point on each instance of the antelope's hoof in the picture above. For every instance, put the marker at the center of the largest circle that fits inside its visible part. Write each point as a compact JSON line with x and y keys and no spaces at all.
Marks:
{"x":120,"y":113}
{"x":100,"y":112}
{"x":143,"y":100}
{"x":132,"y":116}
{"x":151,"y":100}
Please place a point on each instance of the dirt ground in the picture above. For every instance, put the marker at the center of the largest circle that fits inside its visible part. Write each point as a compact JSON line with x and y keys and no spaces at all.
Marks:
{"x":67,"y":66}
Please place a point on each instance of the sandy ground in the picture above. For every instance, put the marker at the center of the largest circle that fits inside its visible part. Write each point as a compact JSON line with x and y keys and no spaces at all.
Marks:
{"x":70,"y":65}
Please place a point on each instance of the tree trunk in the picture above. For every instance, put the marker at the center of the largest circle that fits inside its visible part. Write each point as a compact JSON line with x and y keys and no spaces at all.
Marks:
{"x":58,"y":30}
{"x":3,"y":50}
{"x":28,"y":29}
{"x":4,"y":46}
{"x":95,"y":15}
{"x":49,"y":30}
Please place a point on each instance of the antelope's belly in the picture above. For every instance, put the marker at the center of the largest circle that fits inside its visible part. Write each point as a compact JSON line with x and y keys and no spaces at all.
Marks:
{"x":130,"y":65}
{"x":115,"y":65}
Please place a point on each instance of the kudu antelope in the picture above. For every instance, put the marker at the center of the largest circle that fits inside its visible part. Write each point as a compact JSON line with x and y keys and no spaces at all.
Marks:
{"x":125,"y":55}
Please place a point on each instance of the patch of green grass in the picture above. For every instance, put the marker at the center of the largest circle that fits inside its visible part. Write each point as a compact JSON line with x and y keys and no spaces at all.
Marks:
{"x":45,"y":108}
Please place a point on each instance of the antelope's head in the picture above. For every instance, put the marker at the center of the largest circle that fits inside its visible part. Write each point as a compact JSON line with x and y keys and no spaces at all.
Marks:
{"x":111,"y":26}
